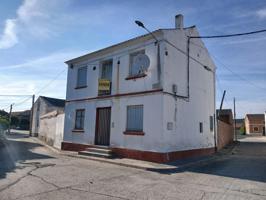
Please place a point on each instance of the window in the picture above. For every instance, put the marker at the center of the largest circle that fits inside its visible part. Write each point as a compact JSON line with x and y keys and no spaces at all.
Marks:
{"x":82,"y":77}
{"x":106,"y":78}
{"x":135,"y":118}
{"x":79,"y":120}
{"x":134,"y":69}
{"x":256,"y":129}
{"x":211,"y":123}
{"x":201,"y":127}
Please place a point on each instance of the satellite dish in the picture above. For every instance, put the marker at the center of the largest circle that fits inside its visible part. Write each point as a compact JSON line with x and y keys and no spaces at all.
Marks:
{"x":141,"y":63}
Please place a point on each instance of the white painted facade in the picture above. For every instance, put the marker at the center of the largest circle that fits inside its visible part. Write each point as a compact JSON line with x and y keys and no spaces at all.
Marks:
{"x":52,"y":128}
{"x":170,"y":123}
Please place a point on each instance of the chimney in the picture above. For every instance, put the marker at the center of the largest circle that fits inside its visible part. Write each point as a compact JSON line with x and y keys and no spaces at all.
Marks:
{"x":179,"y":21}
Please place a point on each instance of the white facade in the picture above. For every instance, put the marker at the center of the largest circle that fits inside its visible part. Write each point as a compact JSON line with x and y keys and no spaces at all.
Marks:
{"x":170,"y":122}
{"x":52,"y":128}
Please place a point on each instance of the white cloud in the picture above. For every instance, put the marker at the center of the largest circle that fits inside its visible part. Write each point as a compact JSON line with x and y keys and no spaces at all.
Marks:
{"x":261,"y":13}
{"x":9,"y":37}
{"x":37,"y":18}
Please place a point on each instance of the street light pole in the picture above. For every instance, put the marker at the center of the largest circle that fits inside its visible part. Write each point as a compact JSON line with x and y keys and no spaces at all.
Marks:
{"x":9,"y":120}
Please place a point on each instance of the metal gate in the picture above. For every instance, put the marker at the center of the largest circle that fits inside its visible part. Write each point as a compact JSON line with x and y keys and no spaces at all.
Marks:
{"x":103,"y":124}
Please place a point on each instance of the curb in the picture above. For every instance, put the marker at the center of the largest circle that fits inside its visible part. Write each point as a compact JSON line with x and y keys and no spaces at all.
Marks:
{"x":214,"y":157}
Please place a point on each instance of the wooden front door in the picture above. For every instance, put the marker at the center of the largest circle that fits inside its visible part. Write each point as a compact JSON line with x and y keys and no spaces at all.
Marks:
{"x":103,"y":125}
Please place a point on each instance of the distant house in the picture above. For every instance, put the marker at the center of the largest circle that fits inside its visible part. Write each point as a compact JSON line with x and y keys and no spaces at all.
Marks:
{"x":255,"y":124}
{"x":22,"y":119}
{"x":42,"y":106}
{"x":239,"y":124}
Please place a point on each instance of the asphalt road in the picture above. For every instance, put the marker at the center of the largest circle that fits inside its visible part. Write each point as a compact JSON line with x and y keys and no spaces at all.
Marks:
{"x":30,"y":171}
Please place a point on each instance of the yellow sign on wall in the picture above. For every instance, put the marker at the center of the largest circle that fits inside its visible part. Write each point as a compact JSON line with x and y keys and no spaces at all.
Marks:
{"x":104,"y":85}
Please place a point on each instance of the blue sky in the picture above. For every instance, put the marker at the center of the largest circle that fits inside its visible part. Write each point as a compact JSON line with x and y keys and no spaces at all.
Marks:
{"x":37,"y":36}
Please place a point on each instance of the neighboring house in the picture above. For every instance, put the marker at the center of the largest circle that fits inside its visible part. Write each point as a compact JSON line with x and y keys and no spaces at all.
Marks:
{"x":144,"y":99}
{"x":52,"y":128}
{"x":44,"y":105}
{"x":22,"y":120}
{"x":255,"y":124}
{"x":225,"y":129}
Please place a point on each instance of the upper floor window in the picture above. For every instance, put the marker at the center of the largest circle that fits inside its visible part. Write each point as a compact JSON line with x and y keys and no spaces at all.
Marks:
{"x":105,"y":81}
{"x":82,"y":77}
{"x":135,"y":69}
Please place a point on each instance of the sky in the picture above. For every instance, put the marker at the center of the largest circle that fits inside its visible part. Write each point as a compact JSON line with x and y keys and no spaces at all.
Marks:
{"x":37,"y":36}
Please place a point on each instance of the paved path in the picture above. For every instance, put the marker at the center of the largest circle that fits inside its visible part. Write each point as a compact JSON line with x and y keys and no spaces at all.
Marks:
{"x":30,"y":171}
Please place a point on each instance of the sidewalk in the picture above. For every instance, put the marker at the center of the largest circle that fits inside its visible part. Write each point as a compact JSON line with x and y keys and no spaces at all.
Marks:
{"x":170,"y":167}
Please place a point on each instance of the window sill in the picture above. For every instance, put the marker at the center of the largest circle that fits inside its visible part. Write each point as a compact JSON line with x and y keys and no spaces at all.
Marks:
{"x":140,"y":133}
{"x":80,"y":87}
{"x":135,"y":76}
{"x":78,"y":130}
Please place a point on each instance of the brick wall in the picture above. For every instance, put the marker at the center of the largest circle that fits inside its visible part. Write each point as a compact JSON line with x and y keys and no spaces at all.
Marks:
{"x":225,"y":134}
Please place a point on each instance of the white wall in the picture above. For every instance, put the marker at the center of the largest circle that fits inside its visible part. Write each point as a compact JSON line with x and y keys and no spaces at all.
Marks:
{"x":152,"y":107}
{"x":125,"y":86}
{"x":159,"y":108}
{"x":52,"y":128}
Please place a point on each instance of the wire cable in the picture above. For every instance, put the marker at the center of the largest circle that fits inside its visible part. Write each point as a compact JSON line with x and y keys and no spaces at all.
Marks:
{"x":230,"y":35}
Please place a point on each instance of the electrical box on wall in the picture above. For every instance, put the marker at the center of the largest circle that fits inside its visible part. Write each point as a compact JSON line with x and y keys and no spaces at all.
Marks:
{"x":174,"y":88}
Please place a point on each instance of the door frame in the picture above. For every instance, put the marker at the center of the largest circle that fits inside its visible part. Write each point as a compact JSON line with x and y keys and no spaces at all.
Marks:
{"x":97,"y":123}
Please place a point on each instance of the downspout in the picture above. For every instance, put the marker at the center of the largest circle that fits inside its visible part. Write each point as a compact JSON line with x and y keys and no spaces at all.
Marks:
{"x":188,"y":64}
{"x":159,"y":70}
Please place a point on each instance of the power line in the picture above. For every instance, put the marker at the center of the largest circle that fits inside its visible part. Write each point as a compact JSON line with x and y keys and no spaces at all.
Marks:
{"x":230,"y":35}
{"x":228,"y":69}
{"x":50,"y":82}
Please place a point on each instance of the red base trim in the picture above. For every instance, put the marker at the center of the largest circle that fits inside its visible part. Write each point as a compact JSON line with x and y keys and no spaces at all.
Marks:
{"x":145,"y":155}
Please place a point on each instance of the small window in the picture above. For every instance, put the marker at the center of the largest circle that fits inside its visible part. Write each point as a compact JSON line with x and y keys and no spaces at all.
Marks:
{"x":211,"y":123}
{"x":256,"y":129}
{"x":82,"y":77}
{"x":135,"y":69}
{"x":201,"y":127}
{"x":135,"y":118}
{"x":79,"y":120}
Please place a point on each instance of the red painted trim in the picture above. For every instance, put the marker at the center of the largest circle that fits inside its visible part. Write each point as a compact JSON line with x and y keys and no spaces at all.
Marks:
{"x":145,"y":155}
{"x":140,"y":133}
{"x":116,"y":95}
{"x":78,"y":130}
{"x":135,"y":77}
{"x":80,"y":87}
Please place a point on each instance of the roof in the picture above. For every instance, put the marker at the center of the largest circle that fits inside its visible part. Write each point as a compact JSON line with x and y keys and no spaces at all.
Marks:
{"x":255,"y":116}
{"x":114,"y":47}
{"x":54,"y":102}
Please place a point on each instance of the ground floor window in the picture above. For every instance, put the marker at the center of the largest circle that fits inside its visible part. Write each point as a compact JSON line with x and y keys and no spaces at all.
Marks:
{"x":79,"y":120}
{"x":256,"y":129}
{"x":134,"y":118}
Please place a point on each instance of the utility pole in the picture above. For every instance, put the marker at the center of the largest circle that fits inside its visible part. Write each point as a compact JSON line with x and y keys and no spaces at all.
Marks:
{"x":31,"y":114}
{"x":235,"y":119}
{"x":9,"y":121}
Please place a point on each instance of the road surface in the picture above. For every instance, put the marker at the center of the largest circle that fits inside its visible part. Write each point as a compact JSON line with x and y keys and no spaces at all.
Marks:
{"x":30,"y":171}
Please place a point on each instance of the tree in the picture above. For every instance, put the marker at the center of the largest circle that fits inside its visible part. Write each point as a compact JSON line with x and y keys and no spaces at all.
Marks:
{"x":14,"y":121}
{"x":3,"y":123}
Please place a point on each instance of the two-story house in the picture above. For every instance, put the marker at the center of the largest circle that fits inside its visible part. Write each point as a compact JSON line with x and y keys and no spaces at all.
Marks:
{"x":145,"y":98}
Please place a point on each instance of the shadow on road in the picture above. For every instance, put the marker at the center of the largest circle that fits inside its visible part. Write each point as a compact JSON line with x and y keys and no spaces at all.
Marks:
{"x":247,"y":161}
{"x":13,"y":151}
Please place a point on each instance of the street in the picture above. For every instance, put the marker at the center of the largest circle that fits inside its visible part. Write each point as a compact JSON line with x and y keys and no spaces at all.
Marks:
{"x":29,"y":170}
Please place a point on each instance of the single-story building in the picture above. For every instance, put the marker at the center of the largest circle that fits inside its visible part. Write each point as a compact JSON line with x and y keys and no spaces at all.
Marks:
{"x":42,"y":106}
{"x":255,"y":124}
